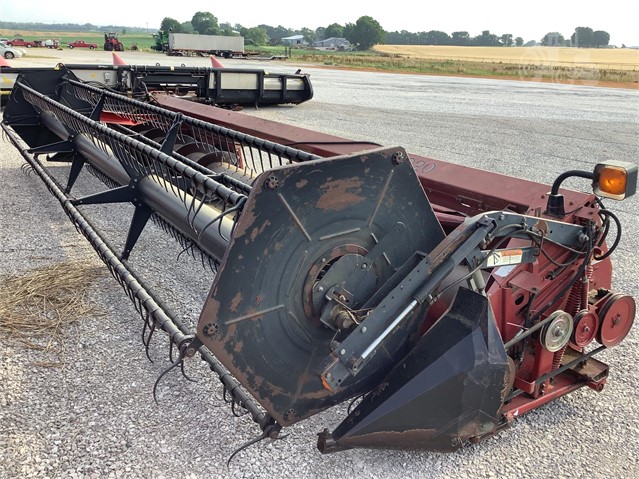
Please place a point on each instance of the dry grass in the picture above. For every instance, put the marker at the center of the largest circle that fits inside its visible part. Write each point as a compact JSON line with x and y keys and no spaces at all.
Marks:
{"x":599,"y":58}
{"x":37,"y":307}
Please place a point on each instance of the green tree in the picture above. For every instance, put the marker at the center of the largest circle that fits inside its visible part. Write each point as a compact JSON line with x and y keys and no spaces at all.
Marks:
{"x":583,"y":37}
{"x":519,"y":41}
{"x":349,"y":28}
{"x":600,"y":38}
{"x":320,"y":33}
{"x":553,"y":39}
{"x":309,"y":35}
{"x":435,"y":37}
{"x":226,"y":29}
{"x":205,"y":23}
{"x":257,"y":36}
{"x":278,"y":33}
{"x":460,"y":38}
{"x":187,"y":27}
{"x":170,"y":25}
{"x":365,"y":33}
{"x":507,"y":39}
{"x":486,"y":39}
{"x":334,"y":30}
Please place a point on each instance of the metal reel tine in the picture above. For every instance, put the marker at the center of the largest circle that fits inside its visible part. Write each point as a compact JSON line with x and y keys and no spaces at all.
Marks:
{"x":164,"y":373}
{"x":186,"y":376}
{"x":148,"y":340}
{"x":171,"y":351}
{"x":247,"y":444}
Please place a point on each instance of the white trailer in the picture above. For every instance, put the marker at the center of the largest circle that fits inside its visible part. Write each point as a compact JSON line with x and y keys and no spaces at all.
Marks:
{"x":218,"y":45}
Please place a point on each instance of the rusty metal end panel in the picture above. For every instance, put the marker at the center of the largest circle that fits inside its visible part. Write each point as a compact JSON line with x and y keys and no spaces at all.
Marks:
{"x":448,"y":389}
{"x":262,"y":318}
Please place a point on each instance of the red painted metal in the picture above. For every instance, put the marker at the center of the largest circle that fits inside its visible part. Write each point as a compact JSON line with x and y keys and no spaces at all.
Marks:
{"x":617,"y":316}
{"x":586,"y":328}
{"x":560,"y":385}
{"x":460,"y":188}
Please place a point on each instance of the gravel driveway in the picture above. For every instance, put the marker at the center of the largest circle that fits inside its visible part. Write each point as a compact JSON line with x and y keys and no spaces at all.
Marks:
{"x":95,"y":417}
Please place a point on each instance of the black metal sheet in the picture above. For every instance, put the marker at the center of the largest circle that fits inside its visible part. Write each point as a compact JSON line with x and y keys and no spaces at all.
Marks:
{"x":448,"y":389}
{"x":255,"y":321}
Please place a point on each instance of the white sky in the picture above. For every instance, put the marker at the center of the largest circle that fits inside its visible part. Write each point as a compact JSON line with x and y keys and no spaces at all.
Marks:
{"x":528,"y":19}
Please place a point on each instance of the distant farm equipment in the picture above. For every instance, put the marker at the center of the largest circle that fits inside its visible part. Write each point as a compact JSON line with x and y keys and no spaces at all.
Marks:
{"x":184,"y":44}
{"x":111,"y":42}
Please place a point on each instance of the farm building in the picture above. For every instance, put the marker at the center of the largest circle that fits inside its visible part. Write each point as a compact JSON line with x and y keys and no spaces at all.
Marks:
{"x":295,"y":40}
{"x":333,"y":43}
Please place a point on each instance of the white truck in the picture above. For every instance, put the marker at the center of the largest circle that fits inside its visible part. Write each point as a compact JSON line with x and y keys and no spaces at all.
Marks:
{"x":181,"y":44}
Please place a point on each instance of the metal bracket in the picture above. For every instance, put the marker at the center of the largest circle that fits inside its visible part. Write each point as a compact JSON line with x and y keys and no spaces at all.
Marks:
{"x":140,"y":218}
{"x":76,"y":168}
{"x":171,"y":136}
{"x":420,"y":286}
{"x":97,"y":109}
{"x":57,"y":147}
{"x":123,"y":194}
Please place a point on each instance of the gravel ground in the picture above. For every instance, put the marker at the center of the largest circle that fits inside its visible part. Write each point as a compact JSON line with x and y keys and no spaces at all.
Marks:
{"x":96,"y":417}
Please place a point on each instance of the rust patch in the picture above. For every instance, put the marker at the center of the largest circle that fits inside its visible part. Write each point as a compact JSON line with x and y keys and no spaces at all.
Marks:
{"x":255,"y":232}
{"x":237,"y":299}
{"x":247,"y":219}
{"x":301,"y":183}
{"x":542,"y":226}
{"x":259,"y":299}
{"x":340,"y":194}
{"x":278,"y":246}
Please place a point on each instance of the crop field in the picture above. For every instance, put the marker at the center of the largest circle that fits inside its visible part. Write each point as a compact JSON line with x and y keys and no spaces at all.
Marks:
{"x":600,"y":58}
{"x":596,"y":67}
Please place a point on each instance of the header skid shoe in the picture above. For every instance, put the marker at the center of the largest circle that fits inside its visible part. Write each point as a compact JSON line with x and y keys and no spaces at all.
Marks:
{"x":306,"y":231}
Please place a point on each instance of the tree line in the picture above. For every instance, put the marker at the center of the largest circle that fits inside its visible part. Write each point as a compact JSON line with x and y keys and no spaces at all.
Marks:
{"x":367,"y":31}
{"x":362,"y":34}
{"x":584,"y":37}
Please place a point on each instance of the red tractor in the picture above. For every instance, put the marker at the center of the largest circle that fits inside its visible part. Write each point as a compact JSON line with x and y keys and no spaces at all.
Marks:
{"x":111,"y":42}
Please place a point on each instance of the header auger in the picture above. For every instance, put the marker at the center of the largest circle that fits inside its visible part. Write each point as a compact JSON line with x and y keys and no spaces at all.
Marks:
{"x":344,"y":274}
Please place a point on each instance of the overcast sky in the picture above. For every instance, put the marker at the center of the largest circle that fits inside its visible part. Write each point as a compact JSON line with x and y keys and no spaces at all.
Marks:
{"x":527,"y":19}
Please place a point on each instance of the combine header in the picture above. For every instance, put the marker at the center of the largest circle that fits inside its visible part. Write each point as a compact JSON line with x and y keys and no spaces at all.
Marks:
{"x":219,"y":86}
{"x":441,"y":308}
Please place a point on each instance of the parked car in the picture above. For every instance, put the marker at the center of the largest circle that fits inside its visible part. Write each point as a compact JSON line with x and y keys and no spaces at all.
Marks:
{"x":51,"y":43}
{"x":9,"y":52}
{"x":21,"y":42}
{"x":82,"y":44}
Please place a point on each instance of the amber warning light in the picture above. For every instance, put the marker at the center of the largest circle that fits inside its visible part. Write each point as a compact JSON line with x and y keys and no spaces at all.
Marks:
{"x":615,"y":179}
